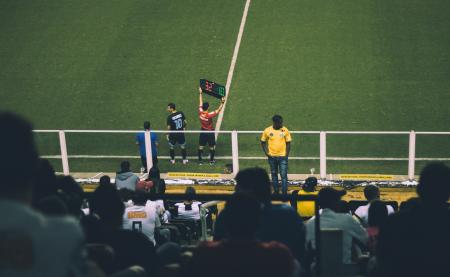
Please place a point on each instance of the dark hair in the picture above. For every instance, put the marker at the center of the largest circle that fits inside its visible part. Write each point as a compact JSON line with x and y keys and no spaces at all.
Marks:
{"x":329,"y":197}
{"x":310,"y":184}
{"x":125,"y":194}
{"x":44,"y":183}
{"x":171,"y":105}
{"x":343,"y":207}
{"x":72,"y":194}
{"x":409,"y":204}
{"x":154,"y":173}
{"x":371,"y":192}
{"x":277,"y":118}
{"x":205,"y":106}
{"x":434,"y":184}
{"x":242,"y":215}
{"x":107,"y":204}
{"x":18,"y":155}
{"x":105,"y":180}
{"x":378,"y":213}
{"x":52,"y":206}
{"x":139,"y":197}
{"x":190,"y":193}
{"x":146,"y":125}
{"x":254,"y":181}
{"x":124,"y":166}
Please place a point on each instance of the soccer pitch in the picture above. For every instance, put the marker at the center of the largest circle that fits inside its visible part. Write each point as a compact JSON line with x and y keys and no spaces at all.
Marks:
{"x":330,"y":65}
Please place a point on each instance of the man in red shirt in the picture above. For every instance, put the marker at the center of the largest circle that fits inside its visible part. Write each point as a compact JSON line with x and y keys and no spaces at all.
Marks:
{"x":206,"y":120}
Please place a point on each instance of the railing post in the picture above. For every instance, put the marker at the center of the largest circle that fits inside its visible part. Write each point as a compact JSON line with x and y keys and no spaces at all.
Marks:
{"x":323,"y":155}
{"x":235,"y":151}
{"x":63,"y":147}
{"x":412,"y":155}
{"x":148,"y":150}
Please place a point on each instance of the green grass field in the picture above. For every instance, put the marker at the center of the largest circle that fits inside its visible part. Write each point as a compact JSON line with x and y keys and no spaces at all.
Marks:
{"x":324,"y":65}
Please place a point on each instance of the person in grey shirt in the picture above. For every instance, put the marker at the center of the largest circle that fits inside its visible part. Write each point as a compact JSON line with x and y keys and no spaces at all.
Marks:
{"x":125,"y":178}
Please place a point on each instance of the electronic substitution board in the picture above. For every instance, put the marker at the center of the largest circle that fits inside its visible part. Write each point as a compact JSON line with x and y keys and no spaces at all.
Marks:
{"x":212,"y":88}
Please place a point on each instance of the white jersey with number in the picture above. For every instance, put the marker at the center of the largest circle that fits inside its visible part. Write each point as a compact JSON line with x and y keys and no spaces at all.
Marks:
{"x":193,"y":213}
{"x":142,"y":219}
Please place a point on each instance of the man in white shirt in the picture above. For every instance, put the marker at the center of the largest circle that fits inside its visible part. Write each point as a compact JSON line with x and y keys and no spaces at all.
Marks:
{"x":142,"y":217}
{"x":30,"y":243}
{"x":189,"y":209}
{"x":371,"y":192}
{"x":329,"y":218}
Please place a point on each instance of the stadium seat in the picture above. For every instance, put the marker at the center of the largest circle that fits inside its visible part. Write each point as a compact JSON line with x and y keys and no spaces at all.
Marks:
{"x":331,"y":255}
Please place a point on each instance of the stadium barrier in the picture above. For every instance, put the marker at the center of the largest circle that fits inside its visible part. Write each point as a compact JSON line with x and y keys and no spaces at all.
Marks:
{"x":235,"y":151}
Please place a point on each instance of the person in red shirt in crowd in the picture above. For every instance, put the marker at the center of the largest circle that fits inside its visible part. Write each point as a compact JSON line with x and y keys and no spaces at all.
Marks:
{"x":206,"y":120}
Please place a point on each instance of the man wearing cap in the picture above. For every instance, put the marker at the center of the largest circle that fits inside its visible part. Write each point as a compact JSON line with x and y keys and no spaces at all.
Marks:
{"x":329,"y":218}
{"x":307,"y":208}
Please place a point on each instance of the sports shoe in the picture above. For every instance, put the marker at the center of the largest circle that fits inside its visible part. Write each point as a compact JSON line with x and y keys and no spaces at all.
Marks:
{"x":185,"y":161}
{"x":212,"y":162}
{"x":172,"y":161}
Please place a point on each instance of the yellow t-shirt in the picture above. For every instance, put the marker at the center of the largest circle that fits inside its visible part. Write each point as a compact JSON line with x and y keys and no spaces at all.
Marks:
{"x":276,"y":140}
{"x":306,"y":208}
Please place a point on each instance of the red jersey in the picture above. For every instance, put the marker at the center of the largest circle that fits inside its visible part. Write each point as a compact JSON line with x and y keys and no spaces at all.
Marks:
{"x":206,"y":119}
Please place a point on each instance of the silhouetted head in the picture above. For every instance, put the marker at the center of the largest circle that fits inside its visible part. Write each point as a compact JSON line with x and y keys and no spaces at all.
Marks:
{"x":105,"y":180}
{"x":154,"y":173}
{"x":205,"y":106}
{"x":378,"y":213}
{"x":242,"y":216}
{"x":125,"y":166}
{"x":72,"y":194}
{"x":343,"y":207}
{"x":310,"y":184}
{"x":139,"y":198}
{"x":190,"y":193}
{"x":277,"y":121}
{"x":44,"y":182}
{"x":18,"y":157}
{"x":434,"y":184}
{"x":329,"y":198}
{"x":147,"y":125}
{"x":409,"y":204}
{"x":371,"y":192}
{"x":107,"y":204}
{"x":254,"y":181}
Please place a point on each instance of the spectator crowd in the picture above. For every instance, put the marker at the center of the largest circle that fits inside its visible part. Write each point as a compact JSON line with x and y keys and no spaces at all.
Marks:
{"x":50,"y":227}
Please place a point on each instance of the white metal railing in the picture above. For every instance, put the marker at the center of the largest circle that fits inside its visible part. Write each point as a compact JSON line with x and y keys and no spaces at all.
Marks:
{"x":235,"y":150}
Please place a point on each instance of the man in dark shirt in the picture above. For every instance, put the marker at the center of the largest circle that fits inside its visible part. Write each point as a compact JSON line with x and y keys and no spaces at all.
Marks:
{"x":240,"y":254}
{"x":279,"y":222}
{"x":416,"y":242}
{"x":176,"y":121}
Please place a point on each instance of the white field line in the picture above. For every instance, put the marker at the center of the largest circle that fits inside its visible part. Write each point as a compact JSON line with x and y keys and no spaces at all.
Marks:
{"x":247,"y":158}
{"x":232,"y":66}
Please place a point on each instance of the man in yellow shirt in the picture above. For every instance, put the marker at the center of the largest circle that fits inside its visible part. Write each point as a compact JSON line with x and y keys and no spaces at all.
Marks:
{"x":276,"y":144}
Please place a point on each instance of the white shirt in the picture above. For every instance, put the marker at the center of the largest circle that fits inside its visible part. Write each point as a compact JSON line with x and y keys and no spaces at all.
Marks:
{"x":349,"y":226}
{"x":143,"y":219}
{"x":36,"y":245}
{"x":194,"y":213}
{"x":363,"y":212}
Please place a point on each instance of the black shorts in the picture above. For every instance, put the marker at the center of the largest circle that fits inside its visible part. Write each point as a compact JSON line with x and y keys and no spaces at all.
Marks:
{"x":207,"y":138}
{"x":175,"y":138}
